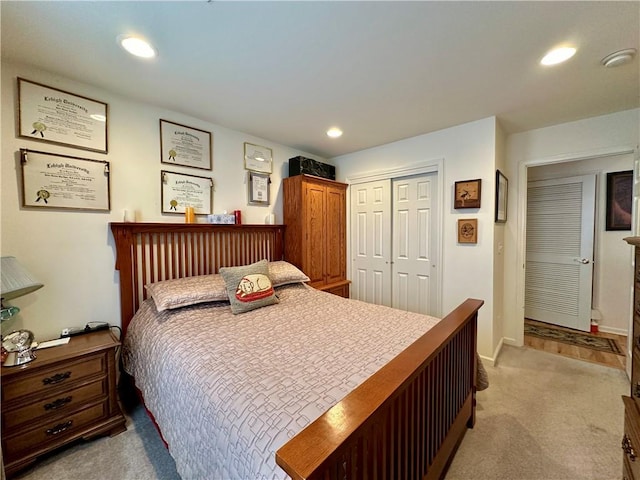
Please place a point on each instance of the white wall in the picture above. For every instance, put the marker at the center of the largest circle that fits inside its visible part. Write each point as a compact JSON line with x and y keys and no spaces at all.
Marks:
{"x":469,"y":152}
{"x":588,"y":138}
{"x":612,"y":270}
{"x":72,"y":252}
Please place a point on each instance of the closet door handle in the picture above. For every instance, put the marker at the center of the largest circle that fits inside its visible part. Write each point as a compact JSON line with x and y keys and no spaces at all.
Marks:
{"x":584,"y":261}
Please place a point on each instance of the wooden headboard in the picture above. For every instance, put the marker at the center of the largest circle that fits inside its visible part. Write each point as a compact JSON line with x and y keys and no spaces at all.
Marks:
{"x":152,"y":252}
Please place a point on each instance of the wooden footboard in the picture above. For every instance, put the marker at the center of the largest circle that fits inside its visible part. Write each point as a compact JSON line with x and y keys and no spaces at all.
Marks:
{"x":404,"y":422}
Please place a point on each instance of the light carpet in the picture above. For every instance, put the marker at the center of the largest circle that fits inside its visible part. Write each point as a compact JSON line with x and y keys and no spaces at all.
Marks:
{"x":543,"y":417}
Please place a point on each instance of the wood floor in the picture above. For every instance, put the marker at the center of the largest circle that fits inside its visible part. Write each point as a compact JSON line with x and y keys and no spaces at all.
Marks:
{"x":581,"y":353}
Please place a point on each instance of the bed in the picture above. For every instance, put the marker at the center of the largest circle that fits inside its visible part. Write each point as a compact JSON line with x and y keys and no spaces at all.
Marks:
{"x":309,"y":386}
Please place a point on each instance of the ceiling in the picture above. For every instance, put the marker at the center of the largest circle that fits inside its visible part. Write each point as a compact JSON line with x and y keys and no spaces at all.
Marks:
{"x":381,"y":71}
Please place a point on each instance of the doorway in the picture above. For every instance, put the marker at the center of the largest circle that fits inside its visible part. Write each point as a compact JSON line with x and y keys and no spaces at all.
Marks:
{"x":393,"y":242}
{"x":612,"y":266}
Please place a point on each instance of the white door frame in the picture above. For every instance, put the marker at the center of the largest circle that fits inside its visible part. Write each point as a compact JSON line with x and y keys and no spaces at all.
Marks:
{"x":522,"y":216}
{"x":428,"y":166}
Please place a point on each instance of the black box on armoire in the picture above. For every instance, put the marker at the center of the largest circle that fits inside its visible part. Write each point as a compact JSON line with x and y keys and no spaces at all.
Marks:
{"x":308,"y":166}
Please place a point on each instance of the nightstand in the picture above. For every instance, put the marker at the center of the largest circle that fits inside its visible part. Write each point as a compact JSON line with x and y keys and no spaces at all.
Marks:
{"x":68,"y":392}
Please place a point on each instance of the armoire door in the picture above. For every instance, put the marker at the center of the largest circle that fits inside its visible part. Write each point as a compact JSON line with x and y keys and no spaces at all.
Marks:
{"x":335,"y":235}
{"x":314,"y":199}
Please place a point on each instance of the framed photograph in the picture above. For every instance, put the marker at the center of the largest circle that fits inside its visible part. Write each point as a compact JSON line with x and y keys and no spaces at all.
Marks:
{"x":502,"y":188}
{"x":258,"y":188}
{"x":186,"y":146}
{"x":59,"y":181}
{"x":468,"y":230}
{"x":258,"y":159}
{"x":467,"y":194}
{"x":180,"y":191}
{"x":619,"y":200}
{"x":50,"y":115}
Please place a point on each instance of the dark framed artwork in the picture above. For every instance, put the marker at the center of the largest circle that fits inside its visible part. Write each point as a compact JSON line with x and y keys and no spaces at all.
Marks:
{"x":619,"y":200}
{"x":502,"y":186}
{"x":467,"y":193}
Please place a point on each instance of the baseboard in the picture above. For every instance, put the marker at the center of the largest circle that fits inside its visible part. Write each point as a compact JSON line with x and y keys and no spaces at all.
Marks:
{"x":494,"y":358}
{"x":614,"y":330}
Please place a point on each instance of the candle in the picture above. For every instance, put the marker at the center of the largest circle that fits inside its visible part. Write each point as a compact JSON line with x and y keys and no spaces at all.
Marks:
{"x":189,"y":215}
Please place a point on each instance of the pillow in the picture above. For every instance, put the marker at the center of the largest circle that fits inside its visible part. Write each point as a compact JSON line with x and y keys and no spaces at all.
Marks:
{"x":283,"y":273}
{"x":182,"y":292}
{"x":249,"y":287}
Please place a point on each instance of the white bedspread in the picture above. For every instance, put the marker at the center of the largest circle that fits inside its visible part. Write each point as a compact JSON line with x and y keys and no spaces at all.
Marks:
{"x":228,"y":390}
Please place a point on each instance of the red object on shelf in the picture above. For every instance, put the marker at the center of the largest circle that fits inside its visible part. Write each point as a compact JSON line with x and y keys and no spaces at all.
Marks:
{"x":238,"y":215}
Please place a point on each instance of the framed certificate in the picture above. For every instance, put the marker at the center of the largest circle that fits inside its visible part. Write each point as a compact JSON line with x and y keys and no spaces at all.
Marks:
{"x":258,"y":186}
{"x":186,"y":146}
{"x":180,"y":191}
{"x":50,"y":115}
{"x":257,"y":159}
{"x":59,"y":181}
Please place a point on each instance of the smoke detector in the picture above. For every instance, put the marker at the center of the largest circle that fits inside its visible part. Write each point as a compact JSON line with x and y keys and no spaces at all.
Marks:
{"x":619,"y":58}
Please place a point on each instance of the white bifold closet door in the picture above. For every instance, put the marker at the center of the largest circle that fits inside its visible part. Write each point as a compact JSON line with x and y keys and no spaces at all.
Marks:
{"x":393,"y":246}
{"x":559,"y":251}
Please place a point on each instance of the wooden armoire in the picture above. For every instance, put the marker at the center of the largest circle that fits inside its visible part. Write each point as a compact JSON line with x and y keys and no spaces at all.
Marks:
{"x":315,"y":213}
{"x":631,"y":437}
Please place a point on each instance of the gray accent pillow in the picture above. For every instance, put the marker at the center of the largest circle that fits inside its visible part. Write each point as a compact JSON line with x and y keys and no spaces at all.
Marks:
{"x":283,"y":273}
{"x":249,"y":287}
{"x":182,"y":292}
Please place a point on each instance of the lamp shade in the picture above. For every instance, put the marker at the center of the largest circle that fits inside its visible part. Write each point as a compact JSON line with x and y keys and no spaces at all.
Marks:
{"x":16,"y":281}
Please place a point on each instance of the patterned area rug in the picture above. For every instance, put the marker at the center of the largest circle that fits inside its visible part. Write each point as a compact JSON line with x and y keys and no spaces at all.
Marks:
{"x":579,"y":339}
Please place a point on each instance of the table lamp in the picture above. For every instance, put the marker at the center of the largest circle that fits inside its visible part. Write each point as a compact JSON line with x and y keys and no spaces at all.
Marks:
{"x":15,"y":281}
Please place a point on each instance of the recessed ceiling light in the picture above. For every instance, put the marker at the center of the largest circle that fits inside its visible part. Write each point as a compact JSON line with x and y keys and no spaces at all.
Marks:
{"x":558,"y":55}
{"x":619,"y":58}
{"x":137,"y":46}
{"x":334,"y":132}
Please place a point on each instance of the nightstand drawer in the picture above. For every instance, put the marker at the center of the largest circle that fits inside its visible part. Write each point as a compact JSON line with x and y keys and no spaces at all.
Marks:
{"x":53,"y":432}
{"x":60,"y":402}
{"x":50,"y":378}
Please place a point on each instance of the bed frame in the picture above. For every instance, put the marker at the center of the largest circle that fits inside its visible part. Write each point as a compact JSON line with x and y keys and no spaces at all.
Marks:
{"x":404,"y":422}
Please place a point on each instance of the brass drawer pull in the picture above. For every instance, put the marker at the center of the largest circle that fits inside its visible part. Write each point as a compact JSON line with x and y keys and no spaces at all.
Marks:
{"x":60,"y":402}
{"x":57,"y":378}
{"x":628,"y":448}
{"x":61,"y":427}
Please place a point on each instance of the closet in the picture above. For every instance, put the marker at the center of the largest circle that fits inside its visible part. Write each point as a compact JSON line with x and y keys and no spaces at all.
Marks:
{"x":394,"y":242}
{"x":315,"y":234}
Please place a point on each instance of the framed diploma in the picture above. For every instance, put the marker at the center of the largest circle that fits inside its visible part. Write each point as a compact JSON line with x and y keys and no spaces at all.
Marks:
{"x":257,"y":159}
{"x":50,"y":115}
{"x":186,"y":146}
{"x":180,"y":191}
{"x":59,"y":181}
{"x":258,"y":186}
